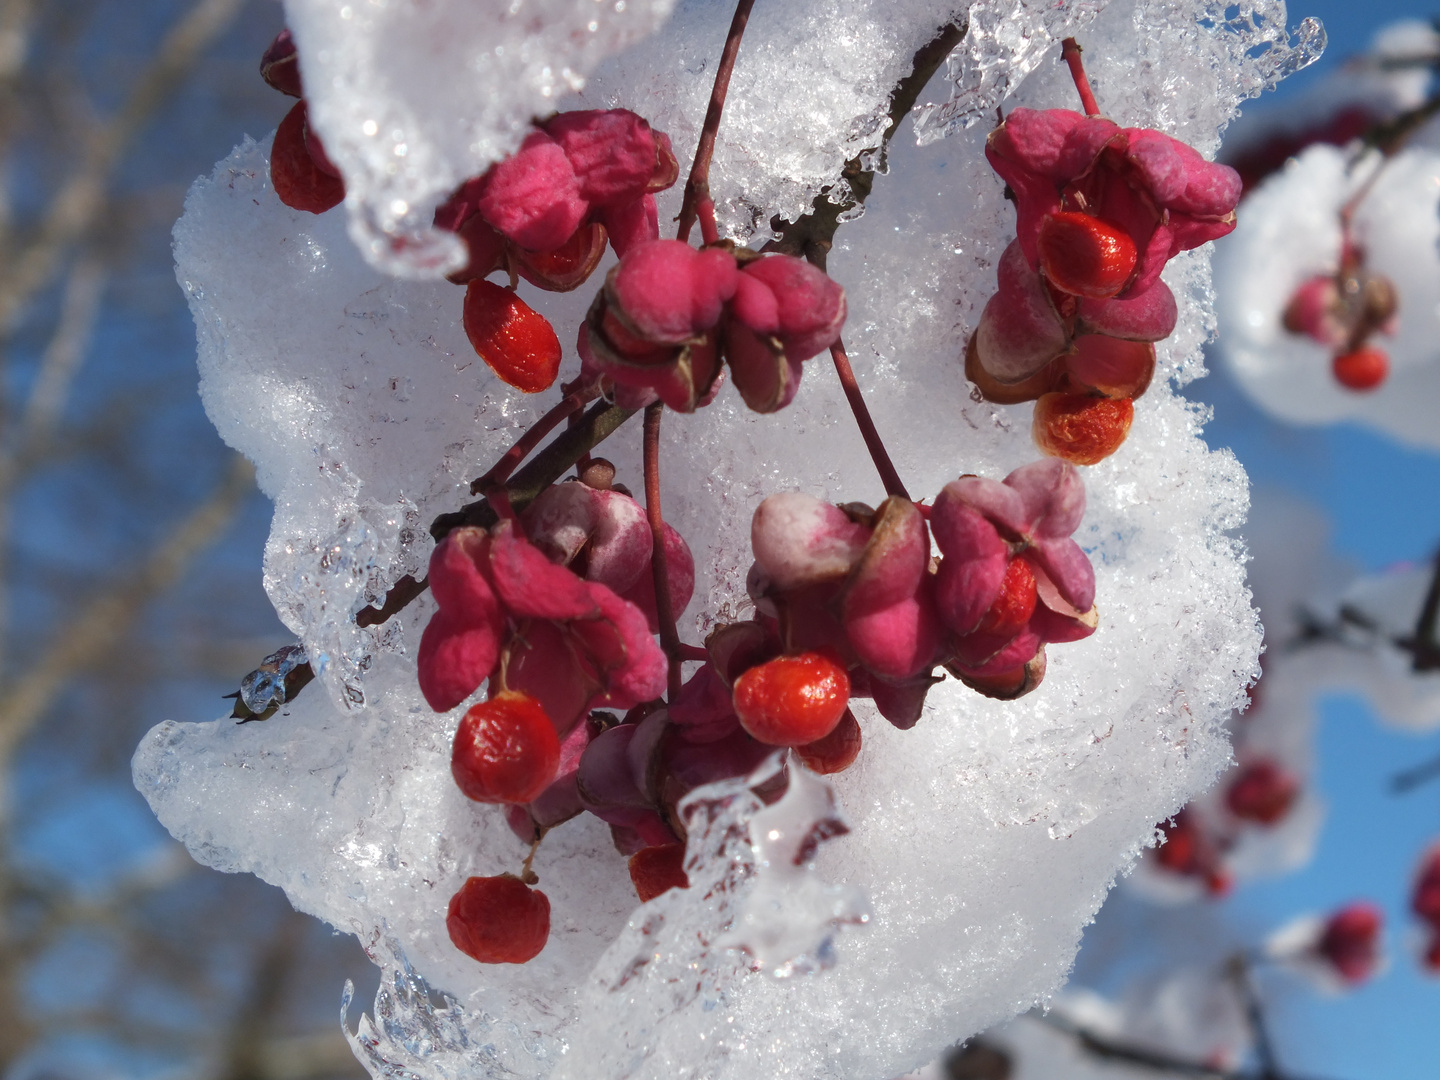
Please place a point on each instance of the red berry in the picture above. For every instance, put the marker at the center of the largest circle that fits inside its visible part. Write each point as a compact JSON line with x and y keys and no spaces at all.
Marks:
{"x":837,"y":751}
{"x":657,"y":869}
{"x":1015,"y":604}
{"x":1351,"y":941}
{"x":1111,"y":366}
{"x":1084,"y":256}
{"x":1263,"y":792}
{"x":1432,"y":956}
{"x":298,"y":181}
{"x":513,"y":338}
{"x":499,"y":920}
{"x":1080,"y":428}
{"x":568,"y":266}
{"x":280,"y":67}
{"x":506,"y":750}
{"x":1425,"y":900}
{"x":792,"y":700}
{"x":1363,"y":369}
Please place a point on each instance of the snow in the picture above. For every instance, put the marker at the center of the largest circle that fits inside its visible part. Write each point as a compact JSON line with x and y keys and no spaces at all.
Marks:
{"x":984,"y":839}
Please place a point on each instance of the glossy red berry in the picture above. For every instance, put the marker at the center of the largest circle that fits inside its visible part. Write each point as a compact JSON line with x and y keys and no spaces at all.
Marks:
{"x":1084,"y":256}
{"x":1431,"y":958}
{"x":837,"y":751}
{"x":1015,"y":604}
{"x":1262,"y":792}
{"x":792,"y":700}
{"x":1079,"y":428}
{"x":298,"y":181}
{"x":499,"y":920}
{"x":506,"y":750}
{"x":1111,"y":366}
{"x":1362,"y":369}
{"x":568,"y":266}
{"x":658,"y":869}
{"x":515,"y":340}
{"x":1351,"y":941}
{"x":280,"y":66}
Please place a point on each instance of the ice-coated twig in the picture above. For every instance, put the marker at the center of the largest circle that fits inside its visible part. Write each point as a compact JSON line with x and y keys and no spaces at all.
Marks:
{"x":878,"y":454}
{"x":659,"y":564}
{"x":570,"y":405}
{"x":1113,"y":1050}
{"x":697,"y":186}
{"x":1070,"y":52}
{"x":811,"y":235}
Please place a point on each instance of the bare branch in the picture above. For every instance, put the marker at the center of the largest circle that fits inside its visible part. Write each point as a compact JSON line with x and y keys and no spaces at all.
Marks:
{"x":77,"y":204}
{"x":25,"y":700}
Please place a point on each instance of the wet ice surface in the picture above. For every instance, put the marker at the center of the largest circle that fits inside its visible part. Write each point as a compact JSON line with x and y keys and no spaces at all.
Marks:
{"x":983,"y":839}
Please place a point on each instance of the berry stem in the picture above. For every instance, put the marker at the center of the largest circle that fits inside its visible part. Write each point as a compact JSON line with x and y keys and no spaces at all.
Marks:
{"x":693,"y":652}
{"x":1070,"y":52}
{"x":697,"y":186}
{"x":878,"y":454}
{"x":569,"y":406}
{"x":1254,"y":1015}
{"x":659,"y":565}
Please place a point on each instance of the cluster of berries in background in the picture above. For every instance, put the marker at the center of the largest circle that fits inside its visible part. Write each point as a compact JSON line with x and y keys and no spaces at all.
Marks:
{"x":1343,"y":311}
{"x":1079,"y":304}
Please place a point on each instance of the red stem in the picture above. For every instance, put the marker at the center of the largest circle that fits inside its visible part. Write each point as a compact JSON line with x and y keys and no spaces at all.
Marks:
{"x":659,"y":565}
{"x":883,"y":465}
{"x":500,"y":472}
{"x":697,"y":187}
{"x":1070,"y":52}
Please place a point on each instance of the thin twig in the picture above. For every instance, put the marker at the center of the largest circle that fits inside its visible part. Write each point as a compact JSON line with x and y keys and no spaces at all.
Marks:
{"x":1244,"y":981}
{"x":1415,"y":776}
{"x":697,"y":186}
{"x":1113,"y":1050}
{"x":811,"y":235}
{"x":878,"y":454}
{"x":569,"y":406}
{"x":79,"y":201}
{"x":1070,"y":52}
{"x":659,"y":564}
{"x":78,"y":311}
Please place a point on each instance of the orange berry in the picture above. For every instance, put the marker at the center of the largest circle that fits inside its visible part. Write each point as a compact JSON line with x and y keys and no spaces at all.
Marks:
{"x":1363,"y":369}
{"x":499,"y":920}
{"x":837,"y":751}
{"x":506,"y":750}
{"x":298,"y":181}
{"x":516,"y":341}
{"x":658,"y":869}
{"x":792,"y":700}
{"x":1015,"y":604}
{"x":1080,"y":428}
{"x":1084,"y":256}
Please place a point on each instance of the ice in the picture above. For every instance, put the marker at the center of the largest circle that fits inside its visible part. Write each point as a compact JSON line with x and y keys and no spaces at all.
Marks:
{"x":411,"y":98}
{"x":983,"y":840}
{"x":1289,"y":231}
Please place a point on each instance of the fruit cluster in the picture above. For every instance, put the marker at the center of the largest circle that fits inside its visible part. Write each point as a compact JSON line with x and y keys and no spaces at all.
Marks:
{"x":1343,"y":311}
{"x":1425,"y":903}
{"x":669,"y":315}
{"x":1349,"y":941}
{"x":1259,"y":794}
{"x":1079,"y":302}
{"x":848,"y":602}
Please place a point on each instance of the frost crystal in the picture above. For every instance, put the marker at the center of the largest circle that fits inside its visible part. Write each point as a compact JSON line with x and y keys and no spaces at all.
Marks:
{"x":983,"y":839}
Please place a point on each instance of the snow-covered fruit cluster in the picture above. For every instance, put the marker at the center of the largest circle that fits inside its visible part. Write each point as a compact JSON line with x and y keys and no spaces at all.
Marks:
{"x":668,"y":315}
{"x":1259,"y":794}
{"x":555,"y":609}
{"x":1343,"y":311}
{"x":1100,"y":209}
